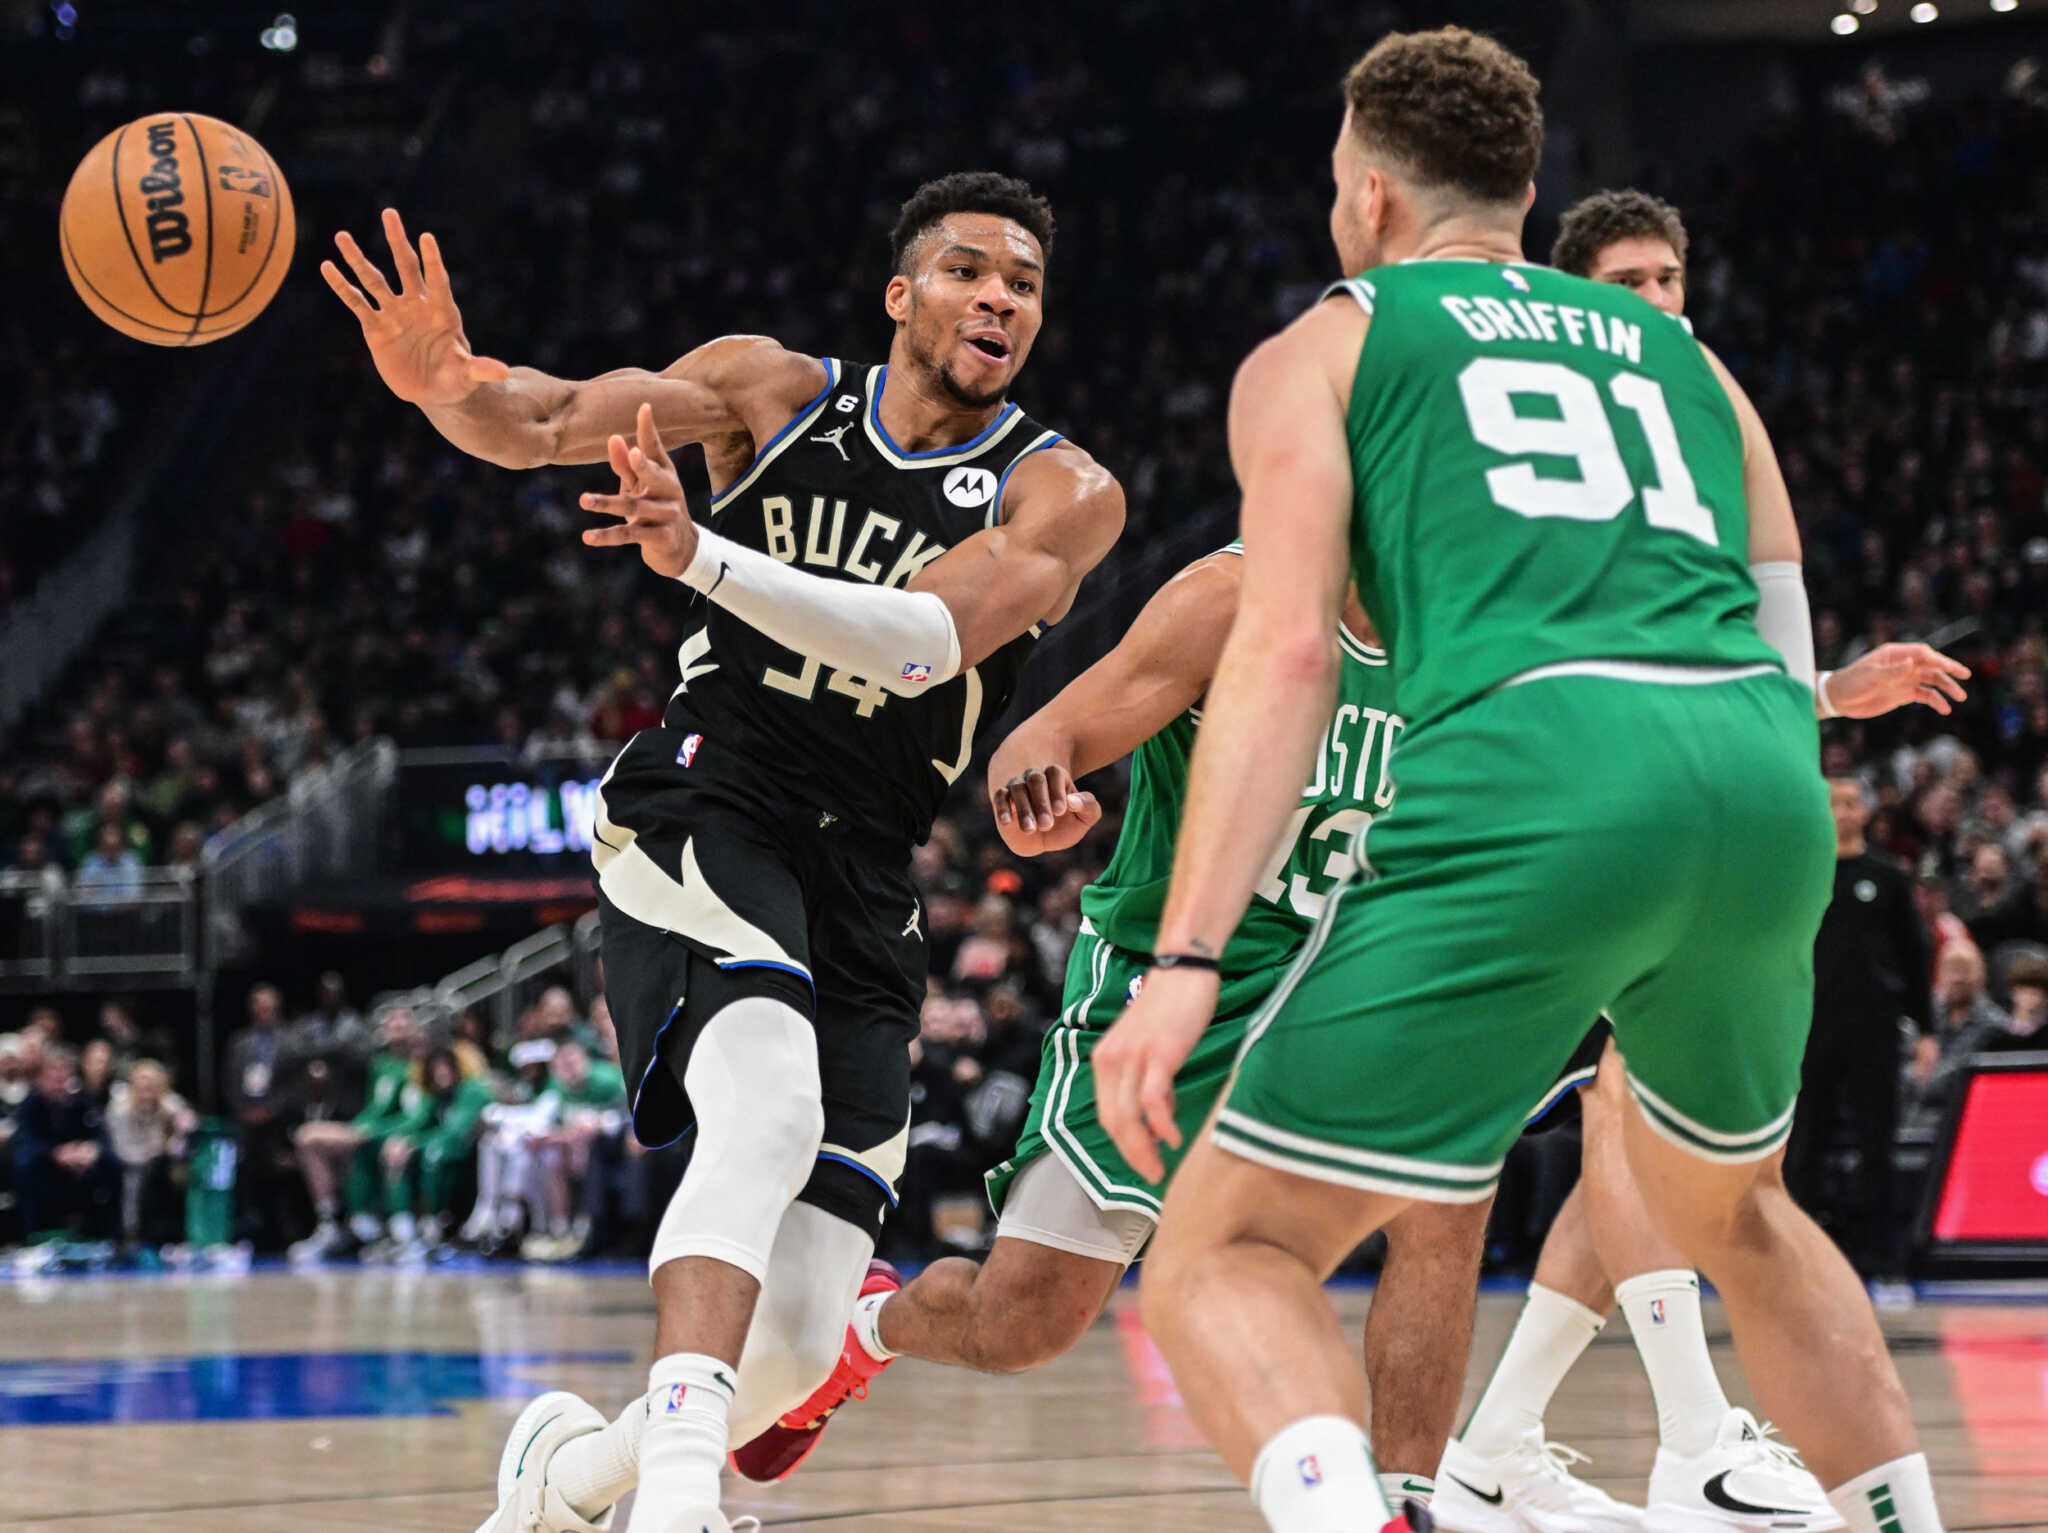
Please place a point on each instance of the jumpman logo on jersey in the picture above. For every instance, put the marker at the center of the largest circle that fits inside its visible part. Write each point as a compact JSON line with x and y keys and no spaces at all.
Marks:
{"x":834,"y":438}
{"x":910,"y":927}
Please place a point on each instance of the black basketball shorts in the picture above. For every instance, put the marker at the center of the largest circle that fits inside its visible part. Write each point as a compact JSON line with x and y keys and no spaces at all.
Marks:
{"x":705,"y":900}
{"x":1560,"y":1105}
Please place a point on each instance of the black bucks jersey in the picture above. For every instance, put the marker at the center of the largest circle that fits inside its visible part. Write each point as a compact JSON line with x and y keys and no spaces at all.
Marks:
{"x":833,"y":495}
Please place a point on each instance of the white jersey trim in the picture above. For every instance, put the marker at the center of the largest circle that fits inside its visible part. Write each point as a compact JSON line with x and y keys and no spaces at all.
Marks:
{"x":779,"y":443}
{"x":1645,"y":671}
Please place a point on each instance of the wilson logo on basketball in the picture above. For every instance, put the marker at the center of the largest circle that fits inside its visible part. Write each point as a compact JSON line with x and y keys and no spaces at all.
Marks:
{"x":169,"y":232}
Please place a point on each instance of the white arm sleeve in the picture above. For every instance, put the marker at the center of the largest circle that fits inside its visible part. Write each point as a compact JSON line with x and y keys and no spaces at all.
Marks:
{"x":1782,"y":616}
{"x":903,"y":641}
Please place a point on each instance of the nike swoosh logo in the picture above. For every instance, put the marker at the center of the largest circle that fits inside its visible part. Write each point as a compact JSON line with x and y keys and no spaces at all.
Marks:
{"x":1417,"y":1488}
{"x":1493,"y":1500}
{"x":720,"y":1378}
{"x":1717,"y":1495}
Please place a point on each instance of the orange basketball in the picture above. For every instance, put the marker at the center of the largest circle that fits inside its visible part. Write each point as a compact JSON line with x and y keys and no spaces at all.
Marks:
{"x":177,"y":229}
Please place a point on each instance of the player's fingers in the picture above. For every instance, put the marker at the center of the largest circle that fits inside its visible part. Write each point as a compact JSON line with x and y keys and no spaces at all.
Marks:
{"x":1041,"y":797}
{"x":1935,"y":700}
{"x":616,"y":536}
{"x":1929,"y":655}
{"x":650,"y":439}
{"x":1060,"y":785}
{"x":999,"y":804}
{"x":1947,"y":682}
{"x":1155,"y":1096}
{"x":653,"y":475}
{"x":620,"y":456}
{"x":435,"y":270}
{"x":403,"y":260}
{"x":345,"y":290}
{"x":365,"y":269}
{"x":610,"y":505}
{"x":1084,"y":806}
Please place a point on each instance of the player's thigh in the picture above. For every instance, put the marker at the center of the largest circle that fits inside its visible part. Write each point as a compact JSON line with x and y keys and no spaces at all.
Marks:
{"x":1065,"y":1118}
{"x":1715,"y":1032}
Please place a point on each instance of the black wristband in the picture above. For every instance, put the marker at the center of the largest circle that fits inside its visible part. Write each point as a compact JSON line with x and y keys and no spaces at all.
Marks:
{"x":1186,"y":961}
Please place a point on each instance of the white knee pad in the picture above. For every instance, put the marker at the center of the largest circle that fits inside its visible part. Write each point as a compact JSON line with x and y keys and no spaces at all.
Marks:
{"x":753,"y":1084}
{"x":814,"y":1275}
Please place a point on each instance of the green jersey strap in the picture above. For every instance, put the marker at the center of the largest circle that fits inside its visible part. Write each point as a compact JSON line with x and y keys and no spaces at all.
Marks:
{"x":1357,"y":287}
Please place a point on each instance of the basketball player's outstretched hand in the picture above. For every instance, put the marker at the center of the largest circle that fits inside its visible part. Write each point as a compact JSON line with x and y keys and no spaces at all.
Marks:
{"x":1139,"y":1056}
{"x":650,"y":505}
{"x":415,"y":334}
{"x":1042,"y":811}
{"x":1893,"y":675}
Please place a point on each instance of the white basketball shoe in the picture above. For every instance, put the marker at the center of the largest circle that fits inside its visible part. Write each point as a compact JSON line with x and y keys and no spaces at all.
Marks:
{"x":1747,"y":1482}
{"x":1528,"y":1489}
{"x":527,"y":1503}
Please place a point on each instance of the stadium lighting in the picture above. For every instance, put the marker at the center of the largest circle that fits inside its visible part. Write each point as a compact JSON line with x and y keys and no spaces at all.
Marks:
{"x":1844,"y":24}
{"x":2005,"y":5}
{"x":1924,"y":11}
{"x":282,"y":35}
{"x":1863,"y":7}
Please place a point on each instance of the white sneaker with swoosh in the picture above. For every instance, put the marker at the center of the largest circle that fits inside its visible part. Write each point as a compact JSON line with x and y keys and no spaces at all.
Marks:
{"x":1747,"y":1482}
{"x":1528,"y":1489}
{"x":526,"y":1502}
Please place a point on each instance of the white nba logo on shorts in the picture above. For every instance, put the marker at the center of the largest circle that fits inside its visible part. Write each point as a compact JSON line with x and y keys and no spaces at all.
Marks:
{"x":970,"y":486}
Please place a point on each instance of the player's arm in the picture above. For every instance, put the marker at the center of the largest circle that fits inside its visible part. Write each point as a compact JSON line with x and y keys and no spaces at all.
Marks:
{"x":1157,"y":671}
{"x":520,"y":417}
{"x":1274,"y":689}
{"x":1891,"y":675}
{"x":957,"y":612}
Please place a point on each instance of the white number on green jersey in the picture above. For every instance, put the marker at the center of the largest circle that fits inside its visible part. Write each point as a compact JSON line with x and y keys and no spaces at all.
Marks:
{"x":1580,"y":430}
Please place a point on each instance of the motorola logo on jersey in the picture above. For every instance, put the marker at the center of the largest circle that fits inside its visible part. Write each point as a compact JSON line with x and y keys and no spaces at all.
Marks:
{"x":969,"y":487}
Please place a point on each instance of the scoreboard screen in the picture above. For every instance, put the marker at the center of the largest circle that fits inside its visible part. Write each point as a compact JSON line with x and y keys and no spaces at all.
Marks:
{"x":489,"y":812}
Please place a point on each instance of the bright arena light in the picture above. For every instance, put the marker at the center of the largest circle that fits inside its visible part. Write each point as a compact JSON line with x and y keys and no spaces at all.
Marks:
{"x":1924,"y":11}
{"x":1844,"y":24}
{"x":1862,"y":7}
{"x":2005,"y":5}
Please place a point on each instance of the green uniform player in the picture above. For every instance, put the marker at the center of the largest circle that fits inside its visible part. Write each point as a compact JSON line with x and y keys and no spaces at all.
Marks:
{"x":1569,"y":524}
{"x":1120,"y":921}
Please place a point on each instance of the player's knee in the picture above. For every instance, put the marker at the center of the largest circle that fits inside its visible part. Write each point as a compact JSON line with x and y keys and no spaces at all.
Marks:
{"x":753,"y":1082}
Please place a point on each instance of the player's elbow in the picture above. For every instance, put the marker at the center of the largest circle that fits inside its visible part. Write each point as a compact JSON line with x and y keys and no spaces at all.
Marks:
{"x":1304,"y":657}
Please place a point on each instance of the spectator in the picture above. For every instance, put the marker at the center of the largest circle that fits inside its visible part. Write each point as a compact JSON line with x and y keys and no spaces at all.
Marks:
{"x":1989,"y":899}
{"x":149,"y":1127}
{"x":45,"y":1025}
{"x":329,"y":1149}
{"x":111,"y":871}
{"x":96,"y":1072}
{"x":117,"y":1027}
{"x":1967,"y":1022}
{"x":32,"y":864}
{"x":65,"y":1174}
{"x":259,"y":1098}
{"x":427,"y":1158}
{"x":2027,"y":1027}
{"x":990,"y":951}
{"x":507,"y":1182}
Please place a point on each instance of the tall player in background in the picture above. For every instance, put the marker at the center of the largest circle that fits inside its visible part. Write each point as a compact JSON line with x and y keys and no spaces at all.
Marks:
{"x":1073,"y":1214}
{"x":1716,"y":1467}
{"x":881,"y":570}
{"x":1547,"y":493}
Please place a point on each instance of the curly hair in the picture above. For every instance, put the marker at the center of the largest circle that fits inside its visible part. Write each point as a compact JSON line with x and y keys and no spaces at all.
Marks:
{"x":1593,"y":223}
{"x":969,"y":191}
{"x":1455,"y":109}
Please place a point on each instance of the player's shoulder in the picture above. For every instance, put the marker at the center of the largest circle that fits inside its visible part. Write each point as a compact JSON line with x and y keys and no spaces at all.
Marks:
{"x":1060,"y":476}
{"x":1324,"y":338}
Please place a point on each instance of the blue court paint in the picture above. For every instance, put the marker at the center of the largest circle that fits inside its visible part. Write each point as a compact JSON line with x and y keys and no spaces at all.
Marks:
{"x":268,"y":1386}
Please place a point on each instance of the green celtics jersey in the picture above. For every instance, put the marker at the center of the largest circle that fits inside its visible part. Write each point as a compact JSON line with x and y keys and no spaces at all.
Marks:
{"x":1350,"y":785}
{"x":1546,"y":472}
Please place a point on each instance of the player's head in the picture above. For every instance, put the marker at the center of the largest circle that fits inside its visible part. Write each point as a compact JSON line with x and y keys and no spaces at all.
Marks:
{"x":1628,"y":238}
{"x":1437,"y":126}
{"x":969,"y":251}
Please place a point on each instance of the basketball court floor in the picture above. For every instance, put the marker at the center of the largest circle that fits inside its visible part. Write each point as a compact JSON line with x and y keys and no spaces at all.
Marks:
{"x":377,"y":1401}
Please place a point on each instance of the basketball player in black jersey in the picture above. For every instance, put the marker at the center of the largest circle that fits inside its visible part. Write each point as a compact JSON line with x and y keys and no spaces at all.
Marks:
{"x":874,"y":578}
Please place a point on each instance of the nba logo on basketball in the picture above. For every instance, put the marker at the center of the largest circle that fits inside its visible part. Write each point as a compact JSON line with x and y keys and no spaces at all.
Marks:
{"x":688,"y":754}
{"x":676,"y":1392}
{"x":1656,"y":1312}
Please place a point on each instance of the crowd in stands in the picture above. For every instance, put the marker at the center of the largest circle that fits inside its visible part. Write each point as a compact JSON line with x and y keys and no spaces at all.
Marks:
{"x":1885,"y":301}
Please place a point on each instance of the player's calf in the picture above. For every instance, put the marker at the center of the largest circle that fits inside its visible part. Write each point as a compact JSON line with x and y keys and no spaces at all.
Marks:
{"x":1026,"y":1305}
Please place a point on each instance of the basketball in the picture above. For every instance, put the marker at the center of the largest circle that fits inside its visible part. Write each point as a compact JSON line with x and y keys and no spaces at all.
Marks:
{"x":177,"y":229}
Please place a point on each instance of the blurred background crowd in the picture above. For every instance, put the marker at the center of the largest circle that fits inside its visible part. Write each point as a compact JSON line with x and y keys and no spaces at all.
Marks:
{"x":1872,"y":263}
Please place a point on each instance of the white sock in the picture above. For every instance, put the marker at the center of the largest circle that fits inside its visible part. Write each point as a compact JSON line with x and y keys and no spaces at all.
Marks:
{"x":1548,"y":1338}
{"x":403,"y":1228}
{"x":1407,"y":1487}
{"x":594,"y":1470}
{"x":365,"y":1227}
{"x":1892,"y":1498}
{"x":1663,"y":1310}
{"x":867,"y":1325}
{"x":1317,"y":1476}
{"x":689,"y":1399}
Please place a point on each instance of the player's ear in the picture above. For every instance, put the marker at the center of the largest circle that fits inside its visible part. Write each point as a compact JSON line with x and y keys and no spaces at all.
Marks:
{"x":1529,"y":196}
{"x":896,"y":298}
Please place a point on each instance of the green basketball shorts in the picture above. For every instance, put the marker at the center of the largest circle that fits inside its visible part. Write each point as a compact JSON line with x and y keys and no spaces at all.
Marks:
{"x":1102,"y":980}
{"x":1569,"y":845}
